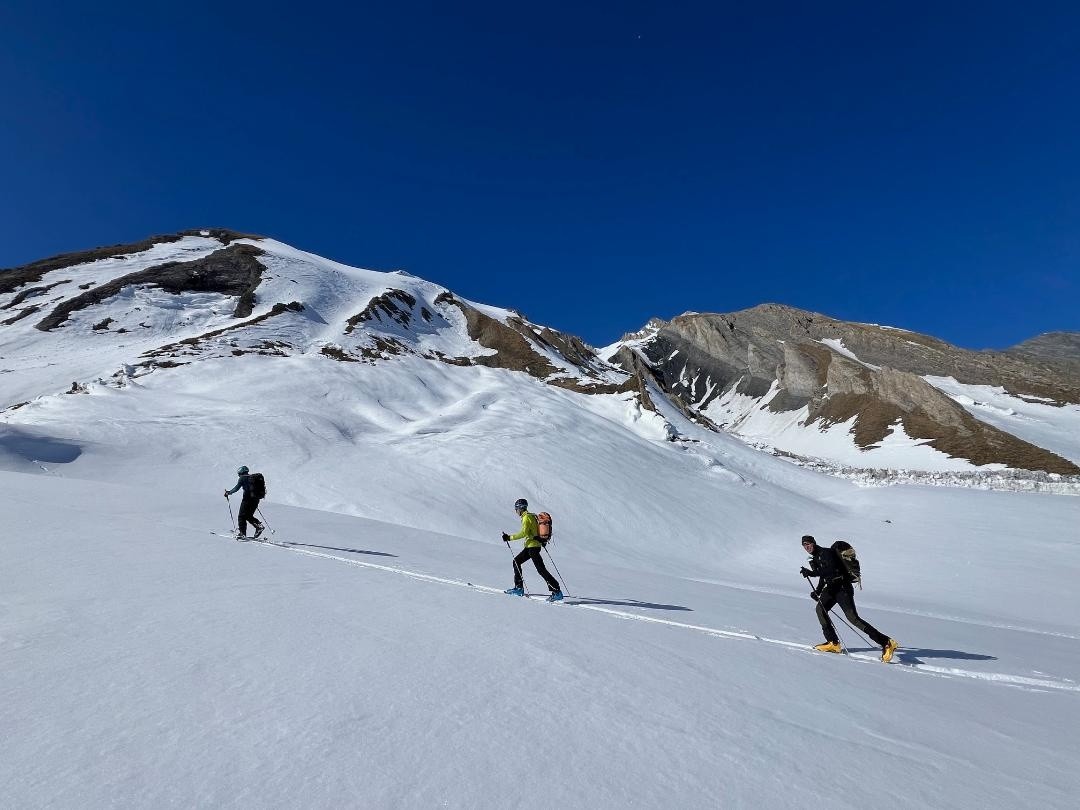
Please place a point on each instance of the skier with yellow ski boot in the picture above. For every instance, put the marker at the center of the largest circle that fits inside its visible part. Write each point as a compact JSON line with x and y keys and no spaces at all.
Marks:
{"x":838,"y":569}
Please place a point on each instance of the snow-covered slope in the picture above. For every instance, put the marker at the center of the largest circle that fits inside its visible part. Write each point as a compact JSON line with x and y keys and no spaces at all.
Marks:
{"x":370,"y":393}
{"x":369,"y":658}
{"x":1055,"y":426}
{"x":147,"y":663}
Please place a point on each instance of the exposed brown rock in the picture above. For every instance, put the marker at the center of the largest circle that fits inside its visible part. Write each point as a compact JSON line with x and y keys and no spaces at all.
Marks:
{"x":396,"y":305}
{"x":878,"y":399}
{"x":277,"y":309}
{"x":383,"y":347}
{"x":234,"y":270}
{"x":337,"y":353}
{"x":753,"y":349}
{"x":224,"y":235}
{"x":16,"y":277}
{"x":13,"y":278}
{"x":32,"y":292}
{"x":512,"y":350}
{"x":753,"y":337}
{"x":22,"y":314}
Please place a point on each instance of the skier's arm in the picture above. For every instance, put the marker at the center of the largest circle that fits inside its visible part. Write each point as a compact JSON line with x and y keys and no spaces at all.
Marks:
{"x":239,"y":484}
{"x":529,"y":528}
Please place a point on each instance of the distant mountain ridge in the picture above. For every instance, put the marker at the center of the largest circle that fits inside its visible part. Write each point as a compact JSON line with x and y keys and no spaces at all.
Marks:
{"x":783,"y":360}
{"x":1054,"y":346}
{"x":774,"y":375}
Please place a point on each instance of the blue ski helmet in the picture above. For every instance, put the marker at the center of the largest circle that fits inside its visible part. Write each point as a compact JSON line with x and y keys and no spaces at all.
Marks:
{"x":521,"y":503}
{"x":242,"y":471}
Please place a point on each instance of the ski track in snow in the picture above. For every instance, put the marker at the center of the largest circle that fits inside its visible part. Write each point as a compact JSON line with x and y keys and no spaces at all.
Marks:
{"x":926,"y":614}
{"x":999,"y":678}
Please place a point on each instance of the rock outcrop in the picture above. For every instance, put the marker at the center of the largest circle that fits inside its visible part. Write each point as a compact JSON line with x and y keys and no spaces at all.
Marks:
{"x":788,"y":359}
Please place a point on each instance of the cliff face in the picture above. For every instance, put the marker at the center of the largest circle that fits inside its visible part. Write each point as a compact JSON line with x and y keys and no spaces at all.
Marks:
{"x":786,"y":360}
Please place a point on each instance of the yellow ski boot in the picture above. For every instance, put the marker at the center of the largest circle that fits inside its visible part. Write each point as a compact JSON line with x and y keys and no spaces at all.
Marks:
{"x":888,"y":650}
{"x":828,"y":646}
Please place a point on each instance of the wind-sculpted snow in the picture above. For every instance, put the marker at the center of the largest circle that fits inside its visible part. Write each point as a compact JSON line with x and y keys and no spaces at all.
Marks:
{"x":354,"y":663}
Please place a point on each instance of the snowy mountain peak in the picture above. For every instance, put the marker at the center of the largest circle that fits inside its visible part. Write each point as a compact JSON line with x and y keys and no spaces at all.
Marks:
{"x":174,"y":300}
{"x":784,"y":379}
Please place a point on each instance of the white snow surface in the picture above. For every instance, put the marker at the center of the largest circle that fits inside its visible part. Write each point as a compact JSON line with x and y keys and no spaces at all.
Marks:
{"x":750,"y":419}
{"x":837,"y":345}
{"x":368,"y":658}
{"x":1054,"y":428}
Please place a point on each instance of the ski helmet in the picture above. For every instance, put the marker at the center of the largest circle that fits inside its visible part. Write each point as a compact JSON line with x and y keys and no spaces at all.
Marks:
{"x":521,"y":503}
{"x":243,"y":470}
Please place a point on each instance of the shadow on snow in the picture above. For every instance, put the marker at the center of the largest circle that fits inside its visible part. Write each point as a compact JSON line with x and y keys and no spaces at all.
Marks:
{"x":34,"y":447}
{"x":914,"y":655}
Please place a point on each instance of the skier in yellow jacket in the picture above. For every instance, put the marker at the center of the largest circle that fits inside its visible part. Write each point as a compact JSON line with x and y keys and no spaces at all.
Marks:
{"x":529,"y":533}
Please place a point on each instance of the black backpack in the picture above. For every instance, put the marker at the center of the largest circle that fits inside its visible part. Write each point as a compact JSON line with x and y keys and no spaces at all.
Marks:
{"x":257,"y":485}
{"x":846,"y":554}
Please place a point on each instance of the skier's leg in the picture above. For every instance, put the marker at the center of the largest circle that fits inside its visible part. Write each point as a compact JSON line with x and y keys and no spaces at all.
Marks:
{"x":846,"y":600}
{"x":246,"y":513}
{"x":521,"y":557}
{"x":538,"y":561}
{"x":258,"y":524}
{"x":826,"y":600}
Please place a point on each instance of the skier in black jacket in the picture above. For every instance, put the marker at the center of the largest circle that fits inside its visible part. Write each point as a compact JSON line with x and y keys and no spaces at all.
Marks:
{"x":834,"y":588}
{"x":247,"y":506}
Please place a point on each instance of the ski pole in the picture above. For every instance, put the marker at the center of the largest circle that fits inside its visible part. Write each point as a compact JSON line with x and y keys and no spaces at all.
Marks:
{"x":232,"y":521}
{"x":566,"y":591}
{"x":517,"y":568}
{"x":853,"y":630}
{"x":269,"y":528}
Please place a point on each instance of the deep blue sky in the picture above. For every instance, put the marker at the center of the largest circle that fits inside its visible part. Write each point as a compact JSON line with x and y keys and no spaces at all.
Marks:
{"x":591,"y":164}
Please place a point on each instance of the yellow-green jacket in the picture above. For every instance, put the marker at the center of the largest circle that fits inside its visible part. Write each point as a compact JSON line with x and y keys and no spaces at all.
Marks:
{"x":529,"y":530}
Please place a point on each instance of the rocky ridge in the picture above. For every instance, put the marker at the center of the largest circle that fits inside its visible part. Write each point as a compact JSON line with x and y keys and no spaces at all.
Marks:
{"x":239,"y":294}
{"x":785,"y":359}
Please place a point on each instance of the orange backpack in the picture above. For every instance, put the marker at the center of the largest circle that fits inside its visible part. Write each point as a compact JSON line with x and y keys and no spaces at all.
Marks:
{"x":543,"y":528}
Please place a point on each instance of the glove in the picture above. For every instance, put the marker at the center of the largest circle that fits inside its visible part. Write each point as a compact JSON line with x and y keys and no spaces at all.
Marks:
{"x":814,"y":595}
{"x":806,"y":572}
{"x":505,"y":537}
{"x":226,"y":494}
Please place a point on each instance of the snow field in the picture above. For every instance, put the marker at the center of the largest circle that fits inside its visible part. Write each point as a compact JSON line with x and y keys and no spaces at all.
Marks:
{"x":145,"y":662}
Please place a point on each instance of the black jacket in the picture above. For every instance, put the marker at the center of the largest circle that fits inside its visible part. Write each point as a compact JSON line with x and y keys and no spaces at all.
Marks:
{"x":244,"y":483}
{"x":826,"y":563}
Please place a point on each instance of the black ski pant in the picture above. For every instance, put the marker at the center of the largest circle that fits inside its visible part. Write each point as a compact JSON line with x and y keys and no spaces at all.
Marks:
{"x":246,"y":514}
{"x":842,"y":594}
{"x":534,"y":555}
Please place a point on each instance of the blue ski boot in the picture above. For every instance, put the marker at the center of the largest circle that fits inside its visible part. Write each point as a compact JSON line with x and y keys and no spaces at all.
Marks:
{"x":514,"y":591}
{"x":556,"y":596}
